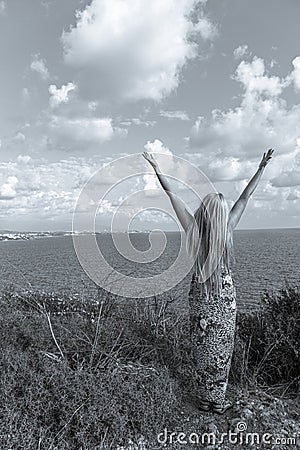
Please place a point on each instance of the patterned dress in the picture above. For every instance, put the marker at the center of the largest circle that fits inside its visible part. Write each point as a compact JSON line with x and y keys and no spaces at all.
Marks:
{"x":212,"y":329}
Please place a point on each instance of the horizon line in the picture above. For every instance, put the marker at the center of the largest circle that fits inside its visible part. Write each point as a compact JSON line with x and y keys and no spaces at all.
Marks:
{"x":139,"y":231}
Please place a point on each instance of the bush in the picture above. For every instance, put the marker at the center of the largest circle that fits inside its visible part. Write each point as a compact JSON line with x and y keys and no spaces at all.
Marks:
{"x":71,"y":377}
{"x":268,"y":341}
{"x":96,"y":373}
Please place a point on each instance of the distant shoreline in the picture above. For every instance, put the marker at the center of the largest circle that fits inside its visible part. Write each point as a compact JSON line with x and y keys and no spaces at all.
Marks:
{"x":26,"y":236}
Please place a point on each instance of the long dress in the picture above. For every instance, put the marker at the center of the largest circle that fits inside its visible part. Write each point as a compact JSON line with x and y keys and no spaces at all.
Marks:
{"x":212,"y":330}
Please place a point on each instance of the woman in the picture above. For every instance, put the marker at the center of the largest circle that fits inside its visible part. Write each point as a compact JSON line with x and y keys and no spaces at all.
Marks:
{"x":212,"y":296}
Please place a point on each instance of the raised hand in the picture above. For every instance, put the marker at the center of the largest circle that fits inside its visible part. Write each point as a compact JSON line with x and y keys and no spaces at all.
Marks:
{"x":266,"y":158}
{"x":150,"y":158}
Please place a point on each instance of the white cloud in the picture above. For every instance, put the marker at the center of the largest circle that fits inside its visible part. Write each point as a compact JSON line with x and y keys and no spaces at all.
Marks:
{"x":152,"y":217}
{"x":241,"y":51}
{"x":45,"y":190}
{"x":206,"y":28}
{"x":294,"y":195}
{"x":296,"y":73}
{"x":138,"y":122}
{"x":229,"y":145}
{"x":61,"y":95}
{"x":262,"y":120}
{"x":273,"y":63}
{"x":19,"y":137}
{"x":180,"y":115}
{"x":25,"y":94}
{"x":290,"y":171}
{"x":8,"y":189}
{"x":150,"y":180}
{"x":254,"y":79}
{"x":88,"y":130}
{"x":132,"y":50}
{"x":92,"y":106}
{"x":2,"y":7}
{"x":223,"y":168}
{"x":157,"y":146}
{"x":39,"y":65}
{"x":25,"y":159}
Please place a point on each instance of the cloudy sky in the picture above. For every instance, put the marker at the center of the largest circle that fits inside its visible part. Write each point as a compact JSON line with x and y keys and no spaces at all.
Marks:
{"x":83,"y":82}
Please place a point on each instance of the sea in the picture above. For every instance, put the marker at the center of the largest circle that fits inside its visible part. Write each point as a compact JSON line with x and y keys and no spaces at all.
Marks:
{"x":265,"y":261}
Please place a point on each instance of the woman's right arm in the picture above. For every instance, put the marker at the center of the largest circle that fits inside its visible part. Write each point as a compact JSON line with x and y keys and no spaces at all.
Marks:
{"x":184,"y":217}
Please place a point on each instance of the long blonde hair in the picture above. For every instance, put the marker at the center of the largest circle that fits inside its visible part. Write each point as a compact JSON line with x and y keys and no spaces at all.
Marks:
{"x":209,"y":242}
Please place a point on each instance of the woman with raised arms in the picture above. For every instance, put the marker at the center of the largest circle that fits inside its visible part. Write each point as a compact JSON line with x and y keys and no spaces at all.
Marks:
{"x":212,"y":295}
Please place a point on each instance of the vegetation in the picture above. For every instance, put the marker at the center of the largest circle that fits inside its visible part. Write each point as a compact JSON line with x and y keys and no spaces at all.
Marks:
{"x":103,"y":373}
{"x":268,"y":341}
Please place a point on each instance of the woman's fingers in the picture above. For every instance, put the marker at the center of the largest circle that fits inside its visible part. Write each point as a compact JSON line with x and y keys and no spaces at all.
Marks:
{"x":150,"y":158}
{"x":267,"y":156}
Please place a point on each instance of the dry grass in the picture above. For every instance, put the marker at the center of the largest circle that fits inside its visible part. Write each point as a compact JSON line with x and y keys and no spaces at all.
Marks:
{"x":96,"y":374}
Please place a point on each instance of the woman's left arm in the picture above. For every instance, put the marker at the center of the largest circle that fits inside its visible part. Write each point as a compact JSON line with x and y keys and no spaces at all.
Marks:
{"x":240,"y":205}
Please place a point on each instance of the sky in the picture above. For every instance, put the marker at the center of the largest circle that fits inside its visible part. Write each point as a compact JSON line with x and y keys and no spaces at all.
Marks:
{"x":83,"y":83}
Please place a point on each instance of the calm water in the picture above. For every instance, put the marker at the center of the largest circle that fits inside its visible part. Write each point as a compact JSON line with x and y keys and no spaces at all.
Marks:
{"x":265,"y":260}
